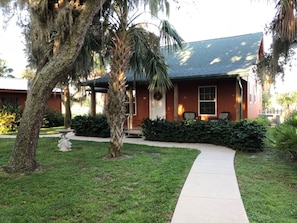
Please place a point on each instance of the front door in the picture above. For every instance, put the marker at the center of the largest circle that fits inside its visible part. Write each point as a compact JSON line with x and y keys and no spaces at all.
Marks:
{"x":157,"y":105}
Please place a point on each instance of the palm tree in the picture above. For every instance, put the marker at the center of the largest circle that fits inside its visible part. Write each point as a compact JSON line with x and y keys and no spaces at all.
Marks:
{"x":284,"y":30}
{"x":4,"y":70}
{"x":284,"y":23}
{"x":135,"y":48}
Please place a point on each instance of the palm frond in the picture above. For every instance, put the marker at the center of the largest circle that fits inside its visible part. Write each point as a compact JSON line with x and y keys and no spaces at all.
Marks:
{"x":139,"y":38}
{"x":156,"y":70}
{"x":170,"y":37}
{"x":284,"y":23}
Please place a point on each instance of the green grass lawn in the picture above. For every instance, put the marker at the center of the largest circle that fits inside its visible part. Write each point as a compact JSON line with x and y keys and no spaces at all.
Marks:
{"x":50,"y":131}
{"x":268,"y":186}
{"x":84,"y":186}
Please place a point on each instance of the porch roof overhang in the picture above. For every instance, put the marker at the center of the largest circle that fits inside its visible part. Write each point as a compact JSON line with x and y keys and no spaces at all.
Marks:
{"x":97,"y":89}
{"x":101,"y":84}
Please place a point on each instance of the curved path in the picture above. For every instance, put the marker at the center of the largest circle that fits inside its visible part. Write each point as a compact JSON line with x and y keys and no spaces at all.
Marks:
{"x":210,"y":193}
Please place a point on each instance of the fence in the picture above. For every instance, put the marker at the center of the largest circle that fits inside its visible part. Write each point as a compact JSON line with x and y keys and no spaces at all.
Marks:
{"x":275,"y":116}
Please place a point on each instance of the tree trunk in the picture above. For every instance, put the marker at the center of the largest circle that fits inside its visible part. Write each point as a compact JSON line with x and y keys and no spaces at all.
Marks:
{"x":23,"y":155}
{"x":93,"y":102}
{"x":67,"y":104}
{"x":117,"y":92}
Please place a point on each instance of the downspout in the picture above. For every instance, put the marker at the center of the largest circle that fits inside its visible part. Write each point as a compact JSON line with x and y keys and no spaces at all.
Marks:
{"x":240,"y":96}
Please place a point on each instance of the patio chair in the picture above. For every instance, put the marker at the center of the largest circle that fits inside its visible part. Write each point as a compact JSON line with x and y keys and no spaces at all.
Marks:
{"x":189,"y":115}
{"x":223,"y":116}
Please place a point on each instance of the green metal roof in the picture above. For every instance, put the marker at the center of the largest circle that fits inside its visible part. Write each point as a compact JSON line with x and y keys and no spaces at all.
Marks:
{"x":215,"y":57}
{"x":209,"y":58}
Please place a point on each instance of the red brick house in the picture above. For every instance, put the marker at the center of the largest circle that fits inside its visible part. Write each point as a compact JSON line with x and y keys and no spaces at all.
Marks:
{"x":13,"y":91}
{"x":209,"y":77}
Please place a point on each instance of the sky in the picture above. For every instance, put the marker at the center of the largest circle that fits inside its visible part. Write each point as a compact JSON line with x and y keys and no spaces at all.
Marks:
{"x":11,"y":47}
{"x":194,"y":20}
{"x":217,"y":18}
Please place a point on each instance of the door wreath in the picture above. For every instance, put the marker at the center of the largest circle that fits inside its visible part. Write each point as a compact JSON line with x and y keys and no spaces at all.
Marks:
{"x":158,"y":95}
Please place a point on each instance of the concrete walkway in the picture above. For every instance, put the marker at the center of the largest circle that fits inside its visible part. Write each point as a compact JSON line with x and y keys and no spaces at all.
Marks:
{"x":210,"y":193}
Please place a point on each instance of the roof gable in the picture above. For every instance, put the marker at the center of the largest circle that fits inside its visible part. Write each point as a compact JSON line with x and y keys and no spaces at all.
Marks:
{"x":215,"y":57}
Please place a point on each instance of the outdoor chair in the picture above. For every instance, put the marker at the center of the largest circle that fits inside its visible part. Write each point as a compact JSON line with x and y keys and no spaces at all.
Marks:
{"x":223,"y":116}
{"x":189,"y":115}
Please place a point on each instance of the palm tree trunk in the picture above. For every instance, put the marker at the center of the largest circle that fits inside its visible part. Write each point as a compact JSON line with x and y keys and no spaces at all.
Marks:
{"x":23,"y":155}
{"x":117,"y":92}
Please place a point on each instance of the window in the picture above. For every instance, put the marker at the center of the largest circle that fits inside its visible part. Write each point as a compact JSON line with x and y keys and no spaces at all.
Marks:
{"x":207,"y":100}
{"x":127,"y":101}
{"x":252,"y":93}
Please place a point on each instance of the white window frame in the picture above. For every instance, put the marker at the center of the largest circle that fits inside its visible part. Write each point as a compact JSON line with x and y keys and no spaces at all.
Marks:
{"x":207,"y":100}
{"x":134,"y":102}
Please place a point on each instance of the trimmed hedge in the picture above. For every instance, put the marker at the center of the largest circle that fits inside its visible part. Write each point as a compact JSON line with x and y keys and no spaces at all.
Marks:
{"x":52,"y":118}
{"x":243,"y":135}
{"x":91,"y":126}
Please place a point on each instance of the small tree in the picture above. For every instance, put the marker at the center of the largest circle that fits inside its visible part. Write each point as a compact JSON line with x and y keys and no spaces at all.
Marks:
{"x":266,"y":100}
{"x":287,"y":101}
{"x":5,"y":71}
{"x":28,"y":74}
{"x":284,"y":31}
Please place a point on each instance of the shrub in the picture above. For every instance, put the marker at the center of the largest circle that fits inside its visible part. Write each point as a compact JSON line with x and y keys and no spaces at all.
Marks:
{"x":52,"y":118}
{"x":264,"y":121}
{"x":284,"y":136}
{"x":7,"y":122}
{"x":9,"y":118}
{"x":243,"y":135}
{"x":159,"y":129}
{"x":247,"y":135}
{"x":91,"y":126}
{"x":285,"y":139}
{"x":292,"y":120}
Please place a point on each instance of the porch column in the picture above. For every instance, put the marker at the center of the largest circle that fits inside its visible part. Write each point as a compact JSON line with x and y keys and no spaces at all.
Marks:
{"x":239,"y":92}
{"x":131,"y":107}
{"x":93,"y":102}
{"x":175,"y":102}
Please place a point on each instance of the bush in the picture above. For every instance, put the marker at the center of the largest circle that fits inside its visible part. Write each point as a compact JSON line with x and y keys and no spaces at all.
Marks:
{"x":292,"y":120}
{"x":91,"y":126}
{"x":52,"y":118}
{"x":264,"y":121}
{"x":244,"y":135}
{"x":10,"y":117}
{"x":247,"y":135}
{"x":7,"y":122}
{"x":284,"y":136}
{"x":285,"y":139}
